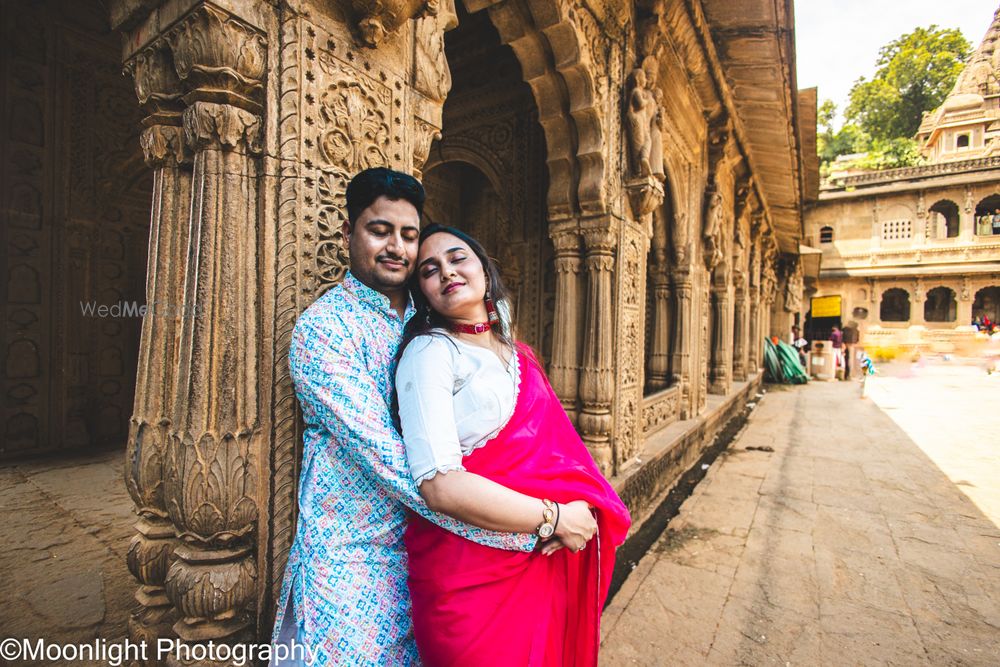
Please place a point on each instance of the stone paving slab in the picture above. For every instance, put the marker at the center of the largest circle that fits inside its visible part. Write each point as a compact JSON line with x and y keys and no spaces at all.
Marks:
{"x":63,"y":540}
{"x":867,"y":537}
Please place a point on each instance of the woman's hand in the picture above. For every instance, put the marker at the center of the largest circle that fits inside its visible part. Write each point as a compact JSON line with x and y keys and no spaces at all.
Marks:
{"x":576,"y":525}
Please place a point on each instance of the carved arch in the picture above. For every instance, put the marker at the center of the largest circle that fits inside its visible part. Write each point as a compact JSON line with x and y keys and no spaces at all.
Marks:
{"x":480,"y":157}
{"x":554,"y":63}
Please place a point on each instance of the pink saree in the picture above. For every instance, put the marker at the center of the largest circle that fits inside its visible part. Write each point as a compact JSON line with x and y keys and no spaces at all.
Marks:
{"x":475,"y":605}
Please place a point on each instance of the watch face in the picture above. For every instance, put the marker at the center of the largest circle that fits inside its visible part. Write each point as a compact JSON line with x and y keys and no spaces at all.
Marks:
{"x":546,"y":530}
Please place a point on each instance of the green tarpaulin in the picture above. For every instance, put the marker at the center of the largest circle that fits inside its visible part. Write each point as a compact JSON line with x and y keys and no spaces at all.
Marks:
{"x":781,"y":362}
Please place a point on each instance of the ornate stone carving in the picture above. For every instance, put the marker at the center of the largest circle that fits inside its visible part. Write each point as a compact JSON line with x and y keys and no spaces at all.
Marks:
{"x":565,"y":366}
{"x":645,"y":195}
{"x":156,"y":82}
{"x":222,"y":126}
{"x":219,"y":58}
{"x":660,"y":410}
{"x":641,"y":112}
{"x":163,"y":145}
{"x":793,"y":289}
{"x":713,"y":230}
{"x":377,"y":19}
{"x":425,"y":134}
{"x":353,"y":124}
{"x":151,"y":551}
{"x":597,"y":376}
{"x":431,"y":75}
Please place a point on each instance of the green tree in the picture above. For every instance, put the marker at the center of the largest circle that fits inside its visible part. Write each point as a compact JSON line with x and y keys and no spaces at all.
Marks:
{"x":914,"y":74}
{"x":831,"y":143}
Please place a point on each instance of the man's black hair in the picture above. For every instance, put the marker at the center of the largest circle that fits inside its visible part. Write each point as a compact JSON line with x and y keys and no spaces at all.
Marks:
{"x":370,"y":184}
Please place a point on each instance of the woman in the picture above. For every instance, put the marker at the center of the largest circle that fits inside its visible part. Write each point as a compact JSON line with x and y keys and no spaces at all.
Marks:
{"x":489,"y":443}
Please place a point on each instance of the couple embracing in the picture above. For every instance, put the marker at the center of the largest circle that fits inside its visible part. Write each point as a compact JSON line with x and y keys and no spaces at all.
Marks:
{"x":449,"y":514}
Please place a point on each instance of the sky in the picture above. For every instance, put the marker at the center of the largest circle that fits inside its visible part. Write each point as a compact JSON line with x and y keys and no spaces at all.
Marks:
{"x":837,"y":41}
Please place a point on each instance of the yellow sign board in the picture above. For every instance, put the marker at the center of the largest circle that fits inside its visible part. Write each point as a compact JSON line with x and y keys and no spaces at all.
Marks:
{"x":826,"y":306}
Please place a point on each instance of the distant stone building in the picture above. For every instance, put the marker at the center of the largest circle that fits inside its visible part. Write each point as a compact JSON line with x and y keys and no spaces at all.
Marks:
{"x":914,"y":253}
{"x":639,"y":169}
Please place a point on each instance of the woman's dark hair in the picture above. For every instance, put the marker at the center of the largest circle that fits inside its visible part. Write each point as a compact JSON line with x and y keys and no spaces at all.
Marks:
{"x":425,"y":319}
{"x":370,"y":184}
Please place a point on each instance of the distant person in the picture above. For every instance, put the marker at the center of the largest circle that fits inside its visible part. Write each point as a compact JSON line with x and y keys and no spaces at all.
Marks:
{"x":985,"y":223}
{"x":799,"y":343}
{"x":837,"y":343}
{"x":996,"y":221}
{"x":851,"y":337}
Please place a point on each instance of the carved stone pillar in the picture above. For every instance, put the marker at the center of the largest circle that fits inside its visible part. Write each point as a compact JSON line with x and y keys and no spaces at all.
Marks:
{"x":564,"y":369}
{"x":755,"y":345}
{"x":658,"y":367}
{"x":212,"y":460}
{"x":152,"y":549}
{"x":917,"y":302}
{"x":684,"y":319}
{"x":722,"y":339}
{"x":597,"y":375}
{"x":659,"y":358}
{"x":739,"y":327}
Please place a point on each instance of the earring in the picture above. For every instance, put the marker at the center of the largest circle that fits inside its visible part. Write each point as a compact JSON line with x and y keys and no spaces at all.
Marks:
{"x":491,"y":311}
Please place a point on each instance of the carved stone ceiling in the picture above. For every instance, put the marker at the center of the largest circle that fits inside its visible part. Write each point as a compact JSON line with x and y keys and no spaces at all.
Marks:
{"x":754,"y":40}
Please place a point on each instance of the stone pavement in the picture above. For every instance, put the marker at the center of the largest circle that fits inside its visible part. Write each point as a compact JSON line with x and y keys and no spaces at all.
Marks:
{"x":63,"y":538}
{"x":868,"y":536}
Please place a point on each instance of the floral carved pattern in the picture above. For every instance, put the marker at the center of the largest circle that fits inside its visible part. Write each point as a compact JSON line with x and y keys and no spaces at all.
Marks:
{"x":660,"y":410}
{"x":351,"y":120}
{"x":354,"y":131}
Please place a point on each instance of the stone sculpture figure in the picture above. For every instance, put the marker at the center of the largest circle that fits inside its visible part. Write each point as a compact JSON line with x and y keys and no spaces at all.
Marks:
{"x":713,"y":231}
{"x":641,"y":108}
{"x":377,"y":19}
{"x":650,"y":68}
{"x":793,"y":290}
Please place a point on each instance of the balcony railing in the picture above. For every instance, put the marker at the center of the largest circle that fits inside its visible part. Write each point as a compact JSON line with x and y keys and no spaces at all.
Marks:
{"x":904,"y":173}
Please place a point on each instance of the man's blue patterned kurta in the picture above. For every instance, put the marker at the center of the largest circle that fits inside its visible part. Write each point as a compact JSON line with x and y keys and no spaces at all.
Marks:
{"x":346,"y":571}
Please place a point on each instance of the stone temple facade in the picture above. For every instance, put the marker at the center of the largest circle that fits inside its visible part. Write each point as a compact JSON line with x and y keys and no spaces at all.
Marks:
{"x":914,"y":253}
{"x":639,"y":169}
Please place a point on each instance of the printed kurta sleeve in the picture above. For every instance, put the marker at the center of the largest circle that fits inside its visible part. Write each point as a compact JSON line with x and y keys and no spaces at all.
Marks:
{"x":425,"y":383}
{"x":337,"y":391}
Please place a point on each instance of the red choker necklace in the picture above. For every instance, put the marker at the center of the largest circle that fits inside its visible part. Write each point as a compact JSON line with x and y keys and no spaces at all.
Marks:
{"x":477,"y":328}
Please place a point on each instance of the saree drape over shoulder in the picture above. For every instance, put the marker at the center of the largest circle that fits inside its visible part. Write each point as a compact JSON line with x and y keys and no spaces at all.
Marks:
{"x":476,"y":605}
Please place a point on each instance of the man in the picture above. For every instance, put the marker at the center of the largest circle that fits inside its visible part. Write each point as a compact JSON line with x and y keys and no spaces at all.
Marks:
{"x":344,"y":593}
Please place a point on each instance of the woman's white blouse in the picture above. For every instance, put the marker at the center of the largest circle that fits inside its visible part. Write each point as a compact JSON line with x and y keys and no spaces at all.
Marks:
{"x":453,"y":397}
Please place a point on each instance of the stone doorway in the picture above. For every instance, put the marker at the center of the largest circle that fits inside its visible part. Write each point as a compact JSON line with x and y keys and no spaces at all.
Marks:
{"x":487,"y":174}
{"x":74,"y":206}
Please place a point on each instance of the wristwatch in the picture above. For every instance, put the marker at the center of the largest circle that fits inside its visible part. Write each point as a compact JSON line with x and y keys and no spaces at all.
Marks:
{"x":548,"y":526}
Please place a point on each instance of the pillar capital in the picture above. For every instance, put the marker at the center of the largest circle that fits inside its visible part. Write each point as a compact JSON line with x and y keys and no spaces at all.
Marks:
{"x":157,"y":85}
{"x":600,"y":241}
{"x":164,"y":146}
{"x":219,"y":58}
{"x":222,"y":126}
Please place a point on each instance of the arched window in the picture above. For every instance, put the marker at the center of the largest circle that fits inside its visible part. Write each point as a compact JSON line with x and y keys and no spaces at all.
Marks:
{"x":940,"y":306}
{"x":987,"y":209}
{"x":826,"y":235}
{"x":895,"y":305}
{"x":944,"y":220}
{"x":962,"y":141}
{"x":987,"y":304}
